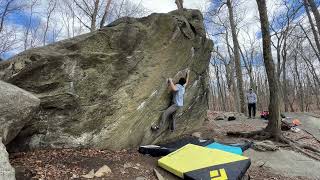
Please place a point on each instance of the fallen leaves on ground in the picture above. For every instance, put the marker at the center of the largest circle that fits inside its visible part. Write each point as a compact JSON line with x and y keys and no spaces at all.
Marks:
{"x":73,"y":163}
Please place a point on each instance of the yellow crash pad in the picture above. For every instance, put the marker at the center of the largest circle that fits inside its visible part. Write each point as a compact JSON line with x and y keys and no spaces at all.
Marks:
{"x":196,"y":161}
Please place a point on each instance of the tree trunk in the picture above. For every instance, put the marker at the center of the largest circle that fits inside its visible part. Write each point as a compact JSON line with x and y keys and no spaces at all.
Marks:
{"x":300,"y":94}
{"x":105,"y":13}
{"x":252,"y":77}
{"x":285,"y":90}
{"x":236,"y":57}
{"x":314,"y":31}
{"x":4,"y":14}
{"x":259,"y":91}
{"x":51,"y":7}
{"x":294,"y":91}
{"x":221,"y":97}
{"x":278,"y":48}
{"x":233,"y":82}
{"x":274,"y":124}
{"x":248,"y":65}
{"x":94,"y":15}
{"x":316,"y":13}
{"x":28,"y":27}
{"x":311,"y":68}
{"x":312,"y":91}
{"x":284,"y":76}
{"x":211,"y":89}
{"x":179,"y":4}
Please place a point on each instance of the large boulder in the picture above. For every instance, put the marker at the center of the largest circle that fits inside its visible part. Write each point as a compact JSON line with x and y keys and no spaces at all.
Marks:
{"x":7,"y":172}
{"x":106,"y":88}
{"x":17,"y":107}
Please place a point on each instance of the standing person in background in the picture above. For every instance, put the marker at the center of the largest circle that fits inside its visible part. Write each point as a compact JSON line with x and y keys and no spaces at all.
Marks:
{"x":252,"y":101}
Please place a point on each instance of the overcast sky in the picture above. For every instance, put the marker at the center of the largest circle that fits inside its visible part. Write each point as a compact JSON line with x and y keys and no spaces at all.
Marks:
{"x":164,"y":6}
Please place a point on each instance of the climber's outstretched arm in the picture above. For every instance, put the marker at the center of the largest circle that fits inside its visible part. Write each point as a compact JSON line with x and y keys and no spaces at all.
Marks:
{"x":172,"y":86}
{"x":187,"y":78}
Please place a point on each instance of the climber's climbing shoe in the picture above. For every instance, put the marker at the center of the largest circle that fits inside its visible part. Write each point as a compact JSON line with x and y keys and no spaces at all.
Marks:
{"x":155,"y":128}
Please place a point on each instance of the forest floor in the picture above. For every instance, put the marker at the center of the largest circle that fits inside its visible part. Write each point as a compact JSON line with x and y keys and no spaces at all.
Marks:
{"x":284,"y":164}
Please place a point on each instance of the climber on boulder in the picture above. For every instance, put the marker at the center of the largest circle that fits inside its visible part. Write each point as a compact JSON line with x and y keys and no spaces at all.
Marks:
{"x":177,"y":101}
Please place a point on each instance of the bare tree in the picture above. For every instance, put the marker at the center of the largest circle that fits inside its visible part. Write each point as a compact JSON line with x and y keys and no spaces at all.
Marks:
{"x":315,"y":12}
{"x":314,"y":31}
{"x":236,"y":57}
{"x":296,"y":67}
{"x":8,"y":7}
{"x":282,"y":27}
{"x":8,"y":33}
{"x":69,"y":19}
{"x":105,"y":13}
{"x":300,"y":87}
{"x":179,"y":4}
{"x":220,"y":82}
{"x":249,"y":58}
{"x":51,"y":7}
{"x":90,"y":10}
{"x":96,"y":13}
{"x":28,"y":31}
{"x":8,"y":40}
{"x":274,"y":125}
{"x":230,"y":71}
{"x":220,"y":20}
{"x":85,"y":11}
{"x":125,"y":8}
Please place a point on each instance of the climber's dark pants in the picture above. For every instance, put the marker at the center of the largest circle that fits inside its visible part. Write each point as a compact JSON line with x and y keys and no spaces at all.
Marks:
{"x":166,"y":114}
{"x":252,"y":106}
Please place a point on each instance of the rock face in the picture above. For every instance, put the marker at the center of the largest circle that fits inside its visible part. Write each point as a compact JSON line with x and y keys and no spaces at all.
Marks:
{"x":17,"y":107}
{"x":106,"y":88}
{"x":6,"y":170}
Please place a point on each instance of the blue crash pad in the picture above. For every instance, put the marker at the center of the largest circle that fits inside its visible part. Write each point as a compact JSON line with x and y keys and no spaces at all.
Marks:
{"x":226,"y":148}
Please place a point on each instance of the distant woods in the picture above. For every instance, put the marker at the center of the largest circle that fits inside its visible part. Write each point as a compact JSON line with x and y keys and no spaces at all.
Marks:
{"x":98,"y":12}
{"x":32,"y":23}
{"x":294,"y":38}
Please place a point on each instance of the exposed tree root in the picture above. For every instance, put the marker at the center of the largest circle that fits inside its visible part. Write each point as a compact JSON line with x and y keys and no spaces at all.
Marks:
{"x":259,"y":135}
{"x":311,"y":135}
{"x":315,"y":155}
{"x":302,"y":138}
{"x":310,"y":148}
{"x":302,"y":145}
{"x":263,"y":135}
